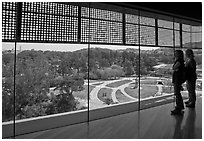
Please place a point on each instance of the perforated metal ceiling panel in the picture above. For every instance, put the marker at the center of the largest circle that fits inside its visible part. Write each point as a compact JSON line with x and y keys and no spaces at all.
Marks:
{"x":93,"y":23}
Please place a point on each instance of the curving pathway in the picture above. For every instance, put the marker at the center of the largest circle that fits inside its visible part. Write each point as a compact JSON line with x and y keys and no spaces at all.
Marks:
{"x":122,"y":88}
{"x":95,"y":102}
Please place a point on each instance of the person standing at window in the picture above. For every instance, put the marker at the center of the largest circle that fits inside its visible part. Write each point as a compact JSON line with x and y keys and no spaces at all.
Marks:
{"x":178,"y":70}
{"x":191,"y":77}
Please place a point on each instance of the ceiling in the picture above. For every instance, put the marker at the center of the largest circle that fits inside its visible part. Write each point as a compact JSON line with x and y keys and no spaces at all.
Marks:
{"x":188,"y":10}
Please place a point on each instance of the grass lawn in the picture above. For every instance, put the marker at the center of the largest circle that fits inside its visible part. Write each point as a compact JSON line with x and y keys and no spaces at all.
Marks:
{"x":149,"y":81}
{"x":121,"y":97}
{"x":146,"y":91}
{"x":84,"y":93}
{"x":104,"y":91}
{"x":118,"y":83}
{"x":167,"y":89}
{"x":154,"y":81}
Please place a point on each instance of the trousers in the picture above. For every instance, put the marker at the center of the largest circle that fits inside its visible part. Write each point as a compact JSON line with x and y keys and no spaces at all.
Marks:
{"x":177,"y":93}
{"x":190,"y":84}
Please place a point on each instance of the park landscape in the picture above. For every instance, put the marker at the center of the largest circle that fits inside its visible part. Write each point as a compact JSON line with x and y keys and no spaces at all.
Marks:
{"x":51,"y":82}
{"x":124,"y":90}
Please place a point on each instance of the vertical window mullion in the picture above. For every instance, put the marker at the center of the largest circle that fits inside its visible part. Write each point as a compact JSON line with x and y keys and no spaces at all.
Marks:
{"x":156,"y":32}
{"x":139,"y":59}
{"x":181,"y":40}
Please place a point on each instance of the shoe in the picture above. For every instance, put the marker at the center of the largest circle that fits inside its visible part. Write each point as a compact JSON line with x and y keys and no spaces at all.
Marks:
{"x":190,"y":105}
{"x":177,"y":112}
{"x":187,"y":102}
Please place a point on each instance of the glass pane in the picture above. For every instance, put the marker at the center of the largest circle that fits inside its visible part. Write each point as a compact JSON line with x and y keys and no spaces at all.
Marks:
{"x":197,"y":40}
{"x":177,"y":39}
{"x":8,"y":50}
{"x":198,"y":59}
{"x":165,"y":37}
{"x":50,"y":79}
{"x":186,"y":27}
{"x":156,"y":76}
{"x":186,"y":38}
{"x":176,"y":26}
{"x":196,"y":28}
{"x":113,"y":75}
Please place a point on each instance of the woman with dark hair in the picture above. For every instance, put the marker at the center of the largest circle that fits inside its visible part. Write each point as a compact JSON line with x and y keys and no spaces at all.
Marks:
{"x":178,"y":70}
{"x":191,"y":77}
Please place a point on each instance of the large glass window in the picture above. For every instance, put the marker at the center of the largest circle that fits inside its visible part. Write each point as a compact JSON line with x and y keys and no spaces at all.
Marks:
{"x":50,"y":79}
{"x":156,"y":75}
{"x":8,"y":62}
{"x":113,"y":74}
{"x":71,"y":57}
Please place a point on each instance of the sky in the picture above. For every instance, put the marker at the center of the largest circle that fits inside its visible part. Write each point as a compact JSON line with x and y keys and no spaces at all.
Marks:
{"x":63,"y":47}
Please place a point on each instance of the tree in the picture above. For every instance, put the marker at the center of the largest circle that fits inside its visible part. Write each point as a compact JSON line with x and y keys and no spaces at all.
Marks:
{"x":128,"y":68}
{"x":103,"y":63}
{"x":7,"y":99}
{"x":65,"y":100}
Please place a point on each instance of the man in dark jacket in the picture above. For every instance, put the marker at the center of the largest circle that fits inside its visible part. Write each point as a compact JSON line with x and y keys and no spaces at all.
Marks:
{"x":191,"y":76}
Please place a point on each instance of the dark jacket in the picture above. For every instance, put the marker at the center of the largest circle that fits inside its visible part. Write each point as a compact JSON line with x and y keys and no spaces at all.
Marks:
{"x":178,"y":73}
{"x":190,"y":68}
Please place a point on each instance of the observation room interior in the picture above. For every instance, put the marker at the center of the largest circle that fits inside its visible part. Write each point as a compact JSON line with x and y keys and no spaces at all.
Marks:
{"x":98,"y":70}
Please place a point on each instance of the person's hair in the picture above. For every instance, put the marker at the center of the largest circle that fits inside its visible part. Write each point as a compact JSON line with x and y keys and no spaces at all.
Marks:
{"x":179,"y":55}
{"x":189,"y":53}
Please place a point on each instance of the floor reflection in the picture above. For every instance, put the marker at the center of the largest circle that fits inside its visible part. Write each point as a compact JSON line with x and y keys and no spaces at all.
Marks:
{"x":187,"y":129}
{"x":178,"y":132}
{"x":189,"y":126}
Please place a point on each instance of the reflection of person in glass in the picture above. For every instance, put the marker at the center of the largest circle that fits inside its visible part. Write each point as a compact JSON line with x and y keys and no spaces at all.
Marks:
{"x":191,"y":77}
{"x":178,"y":131}
{"x":188,"y":129}
{"x":189,"y":125}
{"x":178,"y":69}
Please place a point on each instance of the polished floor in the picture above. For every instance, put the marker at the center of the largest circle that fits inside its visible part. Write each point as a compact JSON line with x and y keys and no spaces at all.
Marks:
{"x":151,"y":123}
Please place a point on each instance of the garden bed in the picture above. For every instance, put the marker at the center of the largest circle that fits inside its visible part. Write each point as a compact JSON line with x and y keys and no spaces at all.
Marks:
{"x":145,"y":91}
{"x":105,"y":93}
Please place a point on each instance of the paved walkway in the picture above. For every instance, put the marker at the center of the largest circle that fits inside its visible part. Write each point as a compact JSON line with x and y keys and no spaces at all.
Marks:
{"x":95,"y":102}
{"x":159,"y":90}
